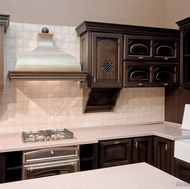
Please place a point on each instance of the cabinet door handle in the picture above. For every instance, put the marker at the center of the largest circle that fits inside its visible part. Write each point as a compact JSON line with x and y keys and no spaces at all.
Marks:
{"x":116,"y":142}
{"x":166,"y":147}
{"x":141,"y":57}
{"x":136,"y":144}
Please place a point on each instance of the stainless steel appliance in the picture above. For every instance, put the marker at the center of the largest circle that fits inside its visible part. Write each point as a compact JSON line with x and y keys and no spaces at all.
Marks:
{"x":49,"y":162}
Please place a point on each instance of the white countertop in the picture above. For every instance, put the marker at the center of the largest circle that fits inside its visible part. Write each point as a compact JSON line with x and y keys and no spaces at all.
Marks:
{"x":13,"y":142}
{"x":133,"y":176}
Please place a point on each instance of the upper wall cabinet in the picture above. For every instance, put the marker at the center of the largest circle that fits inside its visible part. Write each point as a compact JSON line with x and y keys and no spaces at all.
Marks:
{"x":101,"y":55}
{"x":129,"y":56}
{"x":151,"y":48}
{"x":184,"y":26}
{"x":4,"y":23}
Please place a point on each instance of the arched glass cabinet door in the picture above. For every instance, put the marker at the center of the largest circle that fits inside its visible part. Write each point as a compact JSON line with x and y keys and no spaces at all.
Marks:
{"x":166,"y":50}
{"x":165,"y":75}
{"x":137,"y":48}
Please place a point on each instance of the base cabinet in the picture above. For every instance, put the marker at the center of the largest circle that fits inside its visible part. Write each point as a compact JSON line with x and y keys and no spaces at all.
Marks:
{"x":142,"y":150}
{"x":88,"y":157}
{"x":164,"y":154}
{"x":182,"y":170}
{"x":114,"y":152}
{"x":10,"y":166}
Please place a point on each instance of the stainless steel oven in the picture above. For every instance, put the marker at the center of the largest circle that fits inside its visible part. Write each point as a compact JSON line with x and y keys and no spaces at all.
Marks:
{"x":49,"y":162}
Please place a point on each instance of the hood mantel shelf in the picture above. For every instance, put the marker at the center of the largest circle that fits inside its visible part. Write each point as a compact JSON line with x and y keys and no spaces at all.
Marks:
{"x":46,"y":75}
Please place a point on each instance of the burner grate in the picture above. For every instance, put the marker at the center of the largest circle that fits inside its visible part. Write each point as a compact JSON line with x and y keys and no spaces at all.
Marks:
{"x":47,"y":135}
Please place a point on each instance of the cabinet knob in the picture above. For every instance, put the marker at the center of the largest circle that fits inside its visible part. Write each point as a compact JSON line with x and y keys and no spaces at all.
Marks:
{"x":166,"y":58}
{"x":140,"y":84}
{"x":52,"y":152}
{"x":165,"y":84}
{"x":141,"y":57}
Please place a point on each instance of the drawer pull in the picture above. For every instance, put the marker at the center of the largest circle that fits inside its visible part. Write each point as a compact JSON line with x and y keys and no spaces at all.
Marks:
{"x":116,"y":142}
{"x":52,"y":152}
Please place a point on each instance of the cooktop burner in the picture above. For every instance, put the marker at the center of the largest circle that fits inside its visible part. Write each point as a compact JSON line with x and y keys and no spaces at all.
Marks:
{"x":46,"y":135}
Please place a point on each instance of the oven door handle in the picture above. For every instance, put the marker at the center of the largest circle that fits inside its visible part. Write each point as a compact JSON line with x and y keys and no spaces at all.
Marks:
{"x":50,"y":165}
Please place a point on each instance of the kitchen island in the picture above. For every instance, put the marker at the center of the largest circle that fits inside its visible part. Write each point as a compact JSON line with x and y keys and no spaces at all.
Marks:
{"x":133,"y":176}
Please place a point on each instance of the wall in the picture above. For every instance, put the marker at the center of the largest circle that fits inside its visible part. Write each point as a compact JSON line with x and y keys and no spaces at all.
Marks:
{"x":176,"y":10}
{"x":73,"y":12}
{"x":34,"y":105}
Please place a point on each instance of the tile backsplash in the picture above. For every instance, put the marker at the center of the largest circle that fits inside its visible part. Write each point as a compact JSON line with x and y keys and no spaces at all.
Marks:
{"x":34,"y":105}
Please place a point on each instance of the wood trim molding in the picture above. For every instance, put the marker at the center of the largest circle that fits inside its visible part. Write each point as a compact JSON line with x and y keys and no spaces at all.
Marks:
{"x":77,"y":76}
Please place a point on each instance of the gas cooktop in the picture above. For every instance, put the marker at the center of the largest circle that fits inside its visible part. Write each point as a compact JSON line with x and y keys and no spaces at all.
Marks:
{"x":47,"y":135}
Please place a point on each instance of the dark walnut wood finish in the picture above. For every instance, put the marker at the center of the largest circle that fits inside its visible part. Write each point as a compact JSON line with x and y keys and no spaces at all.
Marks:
{"x":177,"y":98}
{"x":88,"y":157}
{"x":164,"y":154}
{"x":118,"y":56}
{"x":142,"y":150}
{"x":4,"y":23}
{"x":182,"y":170}
{"x":115,"y":152}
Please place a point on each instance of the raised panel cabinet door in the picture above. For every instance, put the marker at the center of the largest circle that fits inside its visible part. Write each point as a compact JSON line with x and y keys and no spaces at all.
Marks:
{"x":107,"y":59}
{"x":142,"y":150}
{"x":115,"y":152}
{"x":164,"y":154}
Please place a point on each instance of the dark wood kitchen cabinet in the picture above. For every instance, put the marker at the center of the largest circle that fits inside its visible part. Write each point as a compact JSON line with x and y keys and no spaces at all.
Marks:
{"x":151,"y":61}
{"x":142,"y":150}
{"x":4,"y":23}
{"x":10,"y":166}
{"x":164,"y":154}
{"x":115,"y":152}
{"x":88,"y":157}
{"x":182,"y":170}
{"x":151,"y":48}
{"x":150,"y":74}
{"x":101,"y":55}
{"x":184,"y":26}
